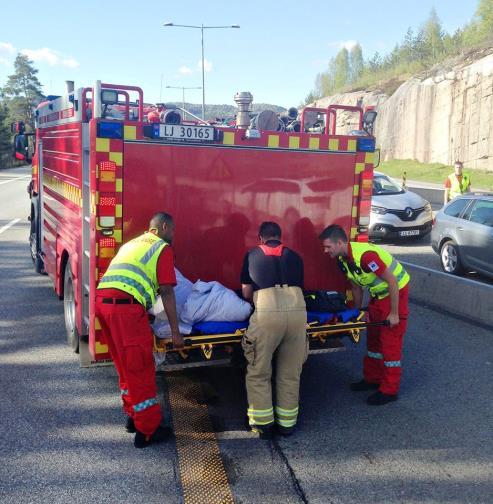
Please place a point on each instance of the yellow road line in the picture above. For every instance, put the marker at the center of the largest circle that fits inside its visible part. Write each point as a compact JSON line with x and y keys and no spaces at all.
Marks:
{"x":202,"y":472}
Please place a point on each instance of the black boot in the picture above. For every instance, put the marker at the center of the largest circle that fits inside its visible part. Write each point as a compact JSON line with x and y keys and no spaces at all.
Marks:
{"x":158,"y":436}
{"x":379,"y":398}
{"x":263,"y":432}
{"x":130,"y":426}
{"x":363,"y":386}
{"x":285,"y":431}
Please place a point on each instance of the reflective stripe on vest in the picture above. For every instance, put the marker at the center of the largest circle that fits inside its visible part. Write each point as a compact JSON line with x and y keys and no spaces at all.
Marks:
{"x":457,"y":188}
{"x":133,"y":269}
{"x":378,"y":287}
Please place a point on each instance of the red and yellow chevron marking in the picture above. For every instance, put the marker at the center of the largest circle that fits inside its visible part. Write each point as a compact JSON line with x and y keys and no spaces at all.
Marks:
{"x":64,"y":189}
{"x":293,"y":141}
{"x":106,"y":206}
{"x":364,"y":161}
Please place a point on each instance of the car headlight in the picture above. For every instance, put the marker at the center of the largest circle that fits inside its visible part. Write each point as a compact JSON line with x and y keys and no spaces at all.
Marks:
{"x":428,"y":207}
{"x":378,"y":210}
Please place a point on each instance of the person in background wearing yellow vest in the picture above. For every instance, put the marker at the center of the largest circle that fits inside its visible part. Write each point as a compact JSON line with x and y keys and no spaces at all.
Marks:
{"x":372,"y":267}
{"x":457,"y":183}
{"x":142,"y":267}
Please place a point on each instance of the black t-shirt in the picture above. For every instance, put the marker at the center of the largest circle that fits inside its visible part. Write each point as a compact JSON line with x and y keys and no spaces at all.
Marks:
{"x":264,"y":271}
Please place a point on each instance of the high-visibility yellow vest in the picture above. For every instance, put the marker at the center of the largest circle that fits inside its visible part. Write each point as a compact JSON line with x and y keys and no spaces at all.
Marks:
{"x":457,"y":188}
{"x":133,"y":269}
{"x":378,"y":287}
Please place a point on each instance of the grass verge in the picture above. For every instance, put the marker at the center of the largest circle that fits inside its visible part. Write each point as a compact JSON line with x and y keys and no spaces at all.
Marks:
{"x":433,"y":172}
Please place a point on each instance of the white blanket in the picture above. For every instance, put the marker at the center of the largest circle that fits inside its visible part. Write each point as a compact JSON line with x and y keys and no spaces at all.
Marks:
{"x":212,"y":301}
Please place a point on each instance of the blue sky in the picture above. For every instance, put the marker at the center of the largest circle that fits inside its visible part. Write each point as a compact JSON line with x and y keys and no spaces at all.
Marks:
{"x":275,"y":55}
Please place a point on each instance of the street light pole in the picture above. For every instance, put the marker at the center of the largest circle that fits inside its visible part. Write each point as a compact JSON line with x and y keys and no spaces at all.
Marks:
{"x":203,"y":71}
{"x":201,"y":28}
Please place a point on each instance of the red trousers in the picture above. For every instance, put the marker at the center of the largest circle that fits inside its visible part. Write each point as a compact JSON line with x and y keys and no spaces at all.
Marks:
{"x":382,"y":364}
{"x":126,"y":331}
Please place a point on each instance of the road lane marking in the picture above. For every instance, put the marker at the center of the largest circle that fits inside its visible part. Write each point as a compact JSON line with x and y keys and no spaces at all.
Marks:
{"x":9,"y":225}
{"x":14,"y":179}
{"x":202,"y":472}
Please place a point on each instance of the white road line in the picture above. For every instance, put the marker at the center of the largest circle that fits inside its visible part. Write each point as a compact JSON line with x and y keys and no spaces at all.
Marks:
{"x":10,"y":224}
{"x":14,"y":179}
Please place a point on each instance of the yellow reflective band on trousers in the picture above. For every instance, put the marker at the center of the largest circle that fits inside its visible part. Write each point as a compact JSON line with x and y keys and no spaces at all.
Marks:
{"x":133,"y":269}
{"x":260,"y":416}
{"x":457,"y":188}
{"x":378,"y":288}
{"x":286,"y":417}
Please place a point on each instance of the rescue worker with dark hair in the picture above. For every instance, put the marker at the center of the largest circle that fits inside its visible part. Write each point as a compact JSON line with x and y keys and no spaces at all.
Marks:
{"x":457,"y":183}
{"x":272,"y":276}
{"x":369,"y":266}
{"x":142,"y":267}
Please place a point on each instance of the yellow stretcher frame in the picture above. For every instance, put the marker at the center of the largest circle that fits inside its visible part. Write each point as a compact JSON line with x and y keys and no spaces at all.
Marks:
{"x":315,"y":331}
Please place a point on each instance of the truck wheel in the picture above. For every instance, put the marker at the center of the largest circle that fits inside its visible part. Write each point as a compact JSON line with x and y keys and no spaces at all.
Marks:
{"x":39,"y":266}
{"x":33,"y":241}
{"x":450,"y":258}
{"x":69,"y":309}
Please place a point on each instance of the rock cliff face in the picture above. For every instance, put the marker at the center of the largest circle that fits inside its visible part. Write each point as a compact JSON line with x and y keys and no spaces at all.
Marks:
{"x":440,"y":119}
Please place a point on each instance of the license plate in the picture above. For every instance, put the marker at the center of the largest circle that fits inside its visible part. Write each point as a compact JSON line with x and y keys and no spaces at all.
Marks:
{"x":180,"y":132}
{"x":410,"y":232}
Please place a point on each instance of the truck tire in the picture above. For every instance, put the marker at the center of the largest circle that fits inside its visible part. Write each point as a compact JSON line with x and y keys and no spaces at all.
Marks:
{"x":34,"y":246}
{"x":69,"y":309}
{"x":450,"y":258}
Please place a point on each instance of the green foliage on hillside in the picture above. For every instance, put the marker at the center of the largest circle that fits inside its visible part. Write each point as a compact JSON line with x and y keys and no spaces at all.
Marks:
{"x":419,"y":50}
{"x":433,"y":172}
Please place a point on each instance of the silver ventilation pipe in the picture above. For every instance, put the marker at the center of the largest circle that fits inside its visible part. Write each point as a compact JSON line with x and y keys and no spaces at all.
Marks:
{"x":243,"y":99}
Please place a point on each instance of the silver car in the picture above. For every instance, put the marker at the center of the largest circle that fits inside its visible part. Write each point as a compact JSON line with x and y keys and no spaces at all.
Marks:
{"x":396,"y":212}
{"x":463,"y":234}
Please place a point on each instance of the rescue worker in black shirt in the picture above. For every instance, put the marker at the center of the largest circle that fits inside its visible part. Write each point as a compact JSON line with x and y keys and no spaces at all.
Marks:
{"x":272,"y":276}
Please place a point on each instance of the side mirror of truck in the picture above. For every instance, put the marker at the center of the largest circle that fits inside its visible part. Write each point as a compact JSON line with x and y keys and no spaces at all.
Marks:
{"x":21,"y":148}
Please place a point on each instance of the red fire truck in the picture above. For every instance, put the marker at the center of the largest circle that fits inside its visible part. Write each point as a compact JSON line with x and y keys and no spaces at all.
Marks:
{"x":102,"y":166}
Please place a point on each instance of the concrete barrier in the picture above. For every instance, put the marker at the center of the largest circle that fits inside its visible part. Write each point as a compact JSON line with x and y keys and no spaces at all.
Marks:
{"x":434,"y":196}
{"x":455,"y":295}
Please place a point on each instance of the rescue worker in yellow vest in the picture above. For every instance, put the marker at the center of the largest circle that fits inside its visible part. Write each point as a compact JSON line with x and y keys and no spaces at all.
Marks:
{"x":457,"y":183}
{"x":369,"y":266}
{"x":142,"y":267}
{"x":272,"y":276}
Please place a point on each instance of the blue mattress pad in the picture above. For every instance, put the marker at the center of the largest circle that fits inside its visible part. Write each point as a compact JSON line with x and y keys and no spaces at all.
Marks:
{"x":211,"y":327}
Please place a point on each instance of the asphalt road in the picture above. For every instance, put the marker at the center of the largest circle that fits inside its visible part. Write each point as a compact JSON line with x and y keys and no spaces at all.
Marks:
{"x":62,"y":436}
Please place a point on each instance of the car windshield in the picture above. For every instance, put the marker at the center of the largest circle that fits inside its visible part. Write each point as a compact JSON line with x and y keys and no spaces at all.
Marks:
{"x":383,"y":185}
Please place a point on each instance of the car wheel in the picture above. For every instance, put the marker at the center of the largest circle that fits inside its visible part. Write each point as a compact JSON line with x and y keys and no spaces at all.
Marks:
{"x":69,"y":309}
{"x":450,"y":258}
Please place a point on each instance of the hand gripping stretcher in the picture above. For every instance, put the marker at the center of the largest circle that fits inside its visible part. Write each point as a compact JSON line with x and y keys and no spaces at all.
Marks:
{"x":214,"y":343}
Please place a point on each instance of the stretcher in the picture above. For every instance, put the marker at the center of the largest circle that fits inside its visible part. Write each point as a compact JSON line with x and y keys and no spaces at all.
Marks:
{"x":213,"y":343}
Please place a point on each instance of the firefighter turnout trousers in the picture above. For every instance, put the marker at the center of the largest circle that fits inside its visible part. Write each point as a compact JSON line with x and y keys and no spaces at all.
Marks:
{"x":278,"y":325}
{"x":382,"y":364}
{"x":126,"y":331}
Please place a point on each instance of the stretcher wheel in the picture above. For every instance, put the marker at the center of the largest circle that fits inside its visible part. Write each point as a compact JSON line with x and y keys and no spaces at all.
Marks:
{"x":355,"y":336}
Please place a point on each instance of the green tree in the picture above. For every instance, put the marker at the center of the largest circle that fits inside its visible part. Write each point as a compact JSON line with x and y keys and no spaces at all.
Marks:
{"x":356,"y":63}
{"x":375,"y":63}
{"x":22,"y":92}
{"x":341,"y":71}
{"x":408,"y":52}
{"x":5,"y":145}
{"x":433,"y":36}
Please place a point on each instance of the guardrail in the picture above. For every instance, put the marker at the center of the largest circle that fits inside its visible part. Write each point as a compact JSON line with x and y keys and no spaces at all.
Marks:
{"x":452,"y":294}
